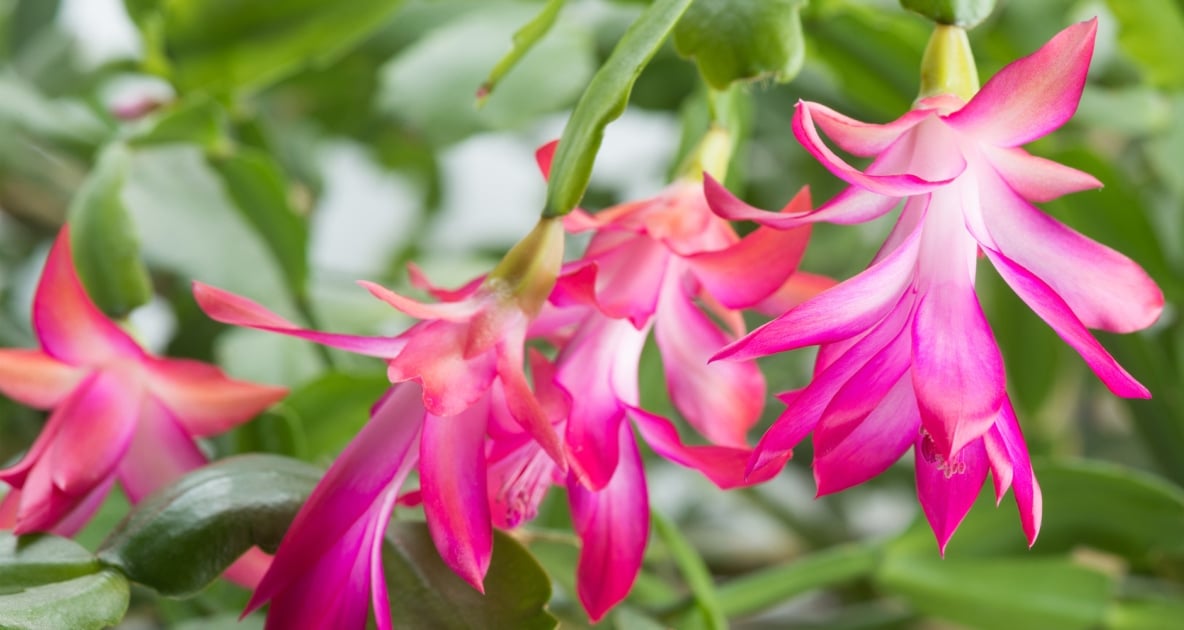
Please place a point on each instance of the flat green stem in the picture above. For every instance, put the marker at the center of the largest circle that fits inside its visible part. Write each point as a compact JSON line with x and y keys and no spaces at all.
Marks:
{"x":697,"y":575}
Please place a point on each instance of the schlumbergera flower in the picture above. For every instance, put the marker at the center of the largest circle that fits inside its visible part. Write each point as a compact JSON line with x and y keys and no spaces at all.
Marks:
{"x":456,"y":371}
{"x":119,"y":413}
{"x":907,"y":357}
{"x":666,"y":265}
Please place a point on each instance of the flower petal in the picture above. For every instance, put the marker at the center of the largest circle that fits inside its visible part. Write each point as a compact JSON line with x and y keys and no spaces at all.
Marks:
{"x":36,"y":379}
{"x":629,"y":279}
{"x":454,"y":487}
{"x":204,"y":399}
{"x":228,"y":308}
{"x":725,"y":466}
{"x":99,"y":421}
{"x":847,"y":457}
{"x":1034,"y":95}
{"x":1104,"y":289}
{"x":450,"y":310}
{"x":848,"y":309}
{"x":948,"y":489}
{"x":1027,"y":491}
{"x":613,"y":524}
{"x":434,"y":356}
{"x":522,"y":404}
{"x":860,"y":138}
{"x":1035,"y":178}
{"x":160,"y":452}
{"x":68,"y":324}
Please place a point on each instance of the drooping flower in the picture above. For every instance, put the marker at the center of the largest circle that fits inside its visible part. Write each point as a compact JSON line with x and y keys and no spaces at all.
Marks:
{"x":907,"y":357}
{"x":119,"y":413}
{"x":456,"y":369}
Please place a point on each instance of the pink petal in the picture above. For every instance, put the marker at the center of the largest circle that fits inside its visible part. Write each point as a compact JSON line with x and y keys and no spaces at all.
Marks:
{"x":852,"y":205}
{"x":452,"y":481}
{"x":947,"y":489}
{"x":80,"y":513}
{"x":1027,"y":491}
{"x":68,"y":324}
{"x":434,"y":357}
{"x":957,"y":369}
{"x":204,"y":399}
{"x":544,"y":155}
{"x":1053,"y":310}
{"x":725,"y":466}
{"x":235,"y":310}
{"x":1034,"y":95}
{"x":99,"y":420}
{"x":721,"y":400}
{"x":800,"y":287}
{"x":629,"y":279}
{"x":375,"y":462}
{"x":860,"y":138}
{"x":36,"y":379}
{"x":1103,"y":288}
{"x":613,"y":524}
{"x":378,"y":589}
{"x":160,"y":452}
{"x":249,"y":569}
{"x":880,"y":177}
{"x":875,"y":442}
{"x":1035,"y":178}
{"x":848,"y":309}
{"x":451,"y":310}
{"x":754,"y":268}
{"x":524,"y":407}
{"x":420,"y":281}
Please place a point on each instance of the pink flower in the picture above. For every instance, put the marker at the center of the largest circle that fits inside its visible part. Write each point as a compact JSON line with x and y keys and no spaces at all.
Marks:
{"x":119,"y":412}
{"x":648,"y":267}
{"x":907,"y":357}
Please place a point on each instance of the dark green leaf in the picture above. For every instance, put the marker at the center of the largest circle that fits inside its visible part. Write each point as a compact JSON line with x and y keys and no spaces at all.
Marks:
{"x":603,"y":101}
{"x":524,"y":39}
{"x":742,"y":40}
{"x":105,"y":244}
{"x":964,"y":13}
{"x":260,"y":191}
{"x":1152,"y":33}
{"x":425,"y":593}
{"x":181,"y":538}
{"x":226,"y":45}
{"x":94,"y":601}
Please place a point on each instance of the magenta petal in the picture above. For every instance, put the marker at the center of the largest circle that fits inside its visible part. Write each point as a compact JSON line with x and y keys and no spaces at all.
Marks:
{"x":889,"y":184}
{"x":614,"y":525}
{"x":451,"y":311}
{"x":726,"y":205}
{"x":1027,"y":491}
{"x":947,"y":489}
{"x":1035,"y":178}
{"x":83,"y":509}
{"x":376,"y":461}
{"x":844,"y":311}
{"x":721,"y":400}
{"x":1034,"y":95}
{"x":68,"y":324}
{"x":860,"y":138}
{"x":524,"y":407}
{"x":725,"y":466}
{"x":204,"y":399}
{"x":1104,"y":289}
{"x":454,"y":487}
{"x":98,"y":423}
{"x":871,"y":446}
{"x":36,"y":379}
{"x":629,"y":279}
{"x":434,"y":356}
{"x":1053,"y":310}
{"x":160,"y":452}
{"x":235,"y":310}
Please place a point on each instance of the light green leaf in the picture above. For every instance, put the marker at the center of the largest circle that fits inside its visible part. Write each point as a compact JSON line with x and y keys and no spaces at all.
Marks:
{"x":182,"y":537}
{"x":603,"y":101}
{"x":104,"y":240}
{"x":743,"y":40}
{"x":694,"y":571}
{"x":425,"y":593}
{"x":41,"y":559}
{"x":964,"y":13}
{"x":94,"y":601}
{"x":524,"y":39}
{"x":1152,"y":33}
{"x":194,"y":121}
{"x":332,"y":409}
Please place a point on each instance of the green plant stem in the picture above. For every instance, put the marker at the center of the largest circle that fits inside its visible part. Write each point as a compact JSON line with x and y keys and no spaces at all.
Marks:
{"x":697,"y":575}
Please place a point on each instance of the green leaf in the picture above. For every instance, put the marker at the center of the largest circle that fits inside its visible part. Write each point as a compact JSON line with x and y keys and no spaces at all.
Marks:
{"x":181,"y":538}
{"x":103,"y":237}
{"x":94,"y":601}
{"x":524,"y":39}
{"x":694,"y":570}
{"x":41,"y":559}
{"x":194,"y":121}
{"x":1152,"y":33}
{"x":259,"y":190}
{"x":332,"y":409}
{"x":743,"y":40}
{"x":425,"y":593}
{"x":227,"y":45}
{"x":603,"y":101}
{"x":1008,"y":593}
{"x":964,"y":13}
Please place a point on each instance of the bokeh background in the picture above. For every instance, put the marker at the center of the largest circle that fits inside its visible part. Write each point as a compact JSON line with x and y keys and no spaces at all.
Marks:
{"x":356,"y":149}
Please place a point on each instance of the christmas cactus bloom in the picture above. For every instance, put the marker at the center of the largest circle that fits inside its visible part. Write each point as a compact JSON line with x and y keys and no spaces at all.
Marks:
{"x":119,"y":413}
{"x":907,"y":357}
{"x":465,"y":362}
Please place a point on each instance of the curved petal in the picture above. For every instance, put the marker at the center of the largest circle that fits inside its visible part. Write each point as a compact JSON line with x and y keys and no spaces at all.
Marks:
{"x":68,"y":324}
{"x":844,"y":311}
{"x":449,"y":310}
{"x":947,"y":489}
{"x":852,"y":205}
{"x":544,"y":155}
{"x":228,"y":308}
{"x":800,"y":287}
{"x":876,"y":442}
{"x":879,"y":177}
{"x":454,"y":488}
{"x":418,"y":279}
{"x":204,"y":399}
{"x":629,"y":279}
{"x":725,"y":466}
{"x":1034,"y":95}
{"x":101,"y":418}
{"x":36,"y":379}
{"x":614,"y":525}
{"x":1053,"y":310}
{"x":721,"y":400}
{"x":524,"y":407}
{"x":1028,"y":499}
{"x":434,"y":357}
{"x":1035,"y":178}
{"x":1104,"y":289}
{"x":376,"y":461}
{"x":160,"y":452}
{"x":860,"y":138}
